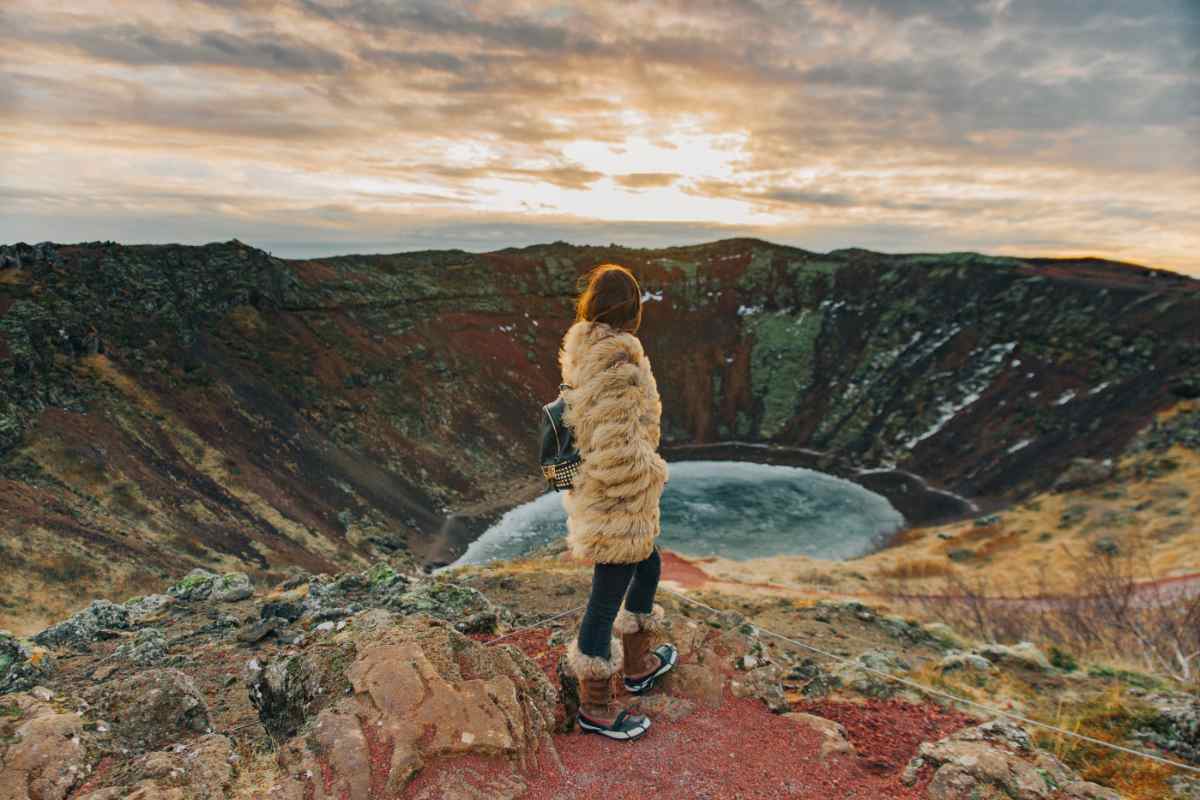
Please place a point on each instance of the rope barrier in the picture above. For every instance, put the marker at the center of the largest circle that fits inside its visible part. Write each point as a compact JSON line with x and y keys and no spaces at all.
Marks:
{"x":948,"y":696}
{"x":537,"y":624}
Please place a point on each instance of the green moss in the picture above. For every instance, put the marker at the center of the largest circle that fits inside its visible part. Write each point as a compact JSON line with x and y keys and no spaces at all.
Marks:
{"x":781,"y":363}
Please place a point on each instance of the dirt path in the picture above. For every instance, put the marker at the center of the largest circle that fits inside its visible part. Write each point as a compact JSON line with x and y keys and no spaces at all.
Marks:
{"x":736,"y":750}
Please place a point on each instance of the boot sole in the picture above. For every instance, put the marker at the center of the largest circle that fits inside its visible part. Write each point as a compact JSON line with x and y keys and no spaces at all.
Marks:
{"x":647,"y":683}
{"x":636,"y":733}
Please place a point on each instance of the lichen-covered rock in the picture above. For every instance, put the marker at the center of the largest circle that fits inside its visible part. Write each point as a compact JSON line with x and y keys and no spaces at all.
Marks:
{"x":418,"y":691}
{"x":196,"y":585}
{"x":83,"y":627}
{"x":147,"y":648}
{"x":231,"y":587}
{"x":1024,"y":654}
{"x":151,"y":708}
{"x":146,"y":608}
{"x":468,"y":609}
{"x":23,"y":664}
{"x":1175,"y":726}
{"x":996,"y":761}
{"x":966,"y":661}
{"x":43,"y":753}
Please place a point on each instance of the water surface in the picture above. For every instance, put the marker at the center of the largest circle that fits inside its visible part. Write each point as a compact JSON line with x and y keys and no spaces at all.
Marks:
{"x":734,"y":509}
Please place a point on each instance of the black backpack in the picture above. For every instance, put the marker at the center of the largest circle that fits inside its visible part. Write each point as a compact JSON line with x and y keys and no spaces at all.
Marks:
{"x":560,"y":460}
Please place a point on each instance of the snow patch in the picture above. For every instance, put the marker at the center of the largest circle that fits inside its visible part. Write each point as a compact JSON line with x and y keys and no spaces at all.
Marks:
{"x":1021,"y":445}
{"x":1065,"y":397}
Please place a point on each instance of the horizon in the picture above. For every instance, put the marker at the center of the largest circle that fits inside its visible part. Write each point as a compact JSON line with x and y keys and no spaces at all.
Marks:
{"x":335,"y":252}
{"x":313,"y":128}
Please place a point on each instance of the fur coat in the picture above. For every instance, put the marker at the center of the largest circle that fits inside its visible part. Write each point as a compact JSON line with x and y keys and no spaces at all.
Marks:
{"x":613,"y":411}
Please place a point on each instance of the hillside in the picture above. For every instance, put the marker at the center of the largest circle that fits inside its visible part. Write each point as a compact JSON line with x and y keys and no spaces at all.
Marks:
{"x":167,"y":407}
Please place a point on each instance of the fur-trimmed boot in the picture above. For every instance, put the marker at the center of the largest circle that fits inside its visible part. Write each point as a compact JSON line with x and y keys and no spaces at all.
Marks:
{"x":597,"y":711}
{"x":642,"y":665}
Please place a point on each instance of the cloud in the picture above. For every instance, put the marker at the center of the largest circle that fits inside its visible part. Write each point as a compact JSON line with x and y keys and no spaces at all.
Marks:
{"x":1007,"y":120}
{"x":646,"y":180}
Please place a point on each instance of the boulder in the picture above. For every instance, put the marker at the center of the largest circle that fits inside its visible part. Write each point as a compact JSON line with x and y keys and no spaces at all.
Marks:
{"x":23,"y":664}
{"x":149,"y":607}
{"x":81,"y":629}
{"x":1023,"y":654}
{"x":404,"y":693}
{"x":231,"y":587}
{"x":147,"y":648}
{"x":834,"y":743}
{"x":43,"y":750}
{"x":996,"y":761}
{"x":966,"y":661}
{"x":151,"y":708}
{"x":196,"y":585}
{"x":282,"y":693}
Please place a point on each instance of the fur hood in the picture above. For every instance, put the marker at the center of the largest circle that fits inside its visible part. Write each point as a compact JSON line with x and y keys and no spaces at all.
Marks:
{"x":614,"y":412}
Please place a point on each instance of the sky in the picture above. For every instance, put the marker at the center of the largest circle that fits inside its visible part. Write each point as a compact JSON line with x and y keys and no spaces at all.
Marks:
{"x":313,"y":127}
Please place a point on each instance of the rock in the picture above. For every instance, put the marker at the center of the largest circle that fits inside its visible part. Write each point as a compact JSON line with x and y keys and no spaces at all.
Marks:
{"x":834,"y":743}
{"x":996,"y":760}
{"x":467,"y":608}
{"x":258,"y":630}
{"x":1084,"y":472}
{"x":288,"y":610}
{"x":43,"y":754}
{"x":701,"y":682}
{"x":1024,"y":654}
{"x":1184,"y":788}
{"x":945,"y":636}
{"x":1175,"y":725}
{"x":84,"y":627}
{"x":148,"y":648}
{"x":282,"y":693}
{"x":380,"y":577}
{"x":196,"y":585}
{"x":199,"y":770}
{"x":144,"y":609}
{"x":426,"y":691}
{"x":986,"y":520}
{"x":151,"y":708}
{"x":662,"y":706}
{"x":969,"y":661}
{"x":764,"y":684}
{"x":568,"y":694}
{"x":1086,"y":790}
{"x":22,"y":664}
{"x":231,"y":587}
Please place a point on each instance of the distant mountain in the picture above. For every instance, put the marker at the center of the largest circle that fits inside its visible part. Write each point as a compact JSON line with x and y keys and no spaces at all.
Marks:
{"x":164,"y":407}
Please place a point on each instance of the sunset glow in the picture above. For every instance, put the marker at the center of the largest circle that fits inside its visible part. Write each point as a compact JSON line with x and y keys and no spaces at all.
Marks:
{"x":328,"y":126}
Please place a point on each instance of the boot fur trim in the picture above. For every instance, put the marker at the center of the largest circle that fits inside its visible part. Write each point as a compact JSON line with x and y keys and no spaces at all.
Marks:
{"x":593,"y":667}
{"x":632,"y":621}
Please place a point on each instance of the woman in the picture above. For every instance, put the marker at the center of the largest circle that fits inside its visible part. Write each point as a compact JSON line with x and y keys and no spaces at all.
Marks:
{"x":613,"y":410}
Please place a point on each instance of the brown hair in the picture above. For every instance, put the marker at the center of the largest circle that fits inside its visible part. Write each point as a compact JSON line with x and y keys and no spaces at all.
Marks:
{"x":610,"y":294}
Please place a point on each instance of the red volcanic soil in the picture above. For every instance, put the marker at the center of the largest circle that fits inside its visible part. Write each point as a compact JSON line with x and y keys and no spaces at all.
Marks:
{"x":680,"y":570}
{"x":739,"y":750}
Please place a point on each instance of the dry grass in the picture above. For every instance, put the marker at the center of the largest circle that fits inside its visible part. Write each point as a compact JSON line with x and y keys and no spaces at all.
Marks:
{"x":1109,"y":717}
{"x":256,"y":772}
{"x":917,"y":569}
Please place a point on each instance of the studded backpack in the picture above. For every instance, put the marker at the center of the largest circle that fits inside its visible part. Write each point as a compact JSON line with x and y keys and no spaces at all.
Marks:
{"x":559,"y":457}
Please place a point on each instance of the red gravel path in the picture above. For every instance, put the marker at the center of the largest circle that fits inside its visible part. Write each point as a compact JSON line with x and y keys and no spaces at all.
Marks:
{"x":739,"y":751}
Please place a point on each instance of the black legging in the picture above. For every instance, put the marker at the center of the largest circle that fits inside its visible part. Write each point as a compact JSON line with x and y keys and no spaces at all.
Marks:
{"x":609,"y":584}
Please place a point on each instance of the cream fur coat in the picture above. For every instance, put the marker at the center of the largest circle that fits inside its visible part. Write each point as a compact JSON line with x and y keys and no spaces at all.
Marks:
{"x":614,"y":413}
